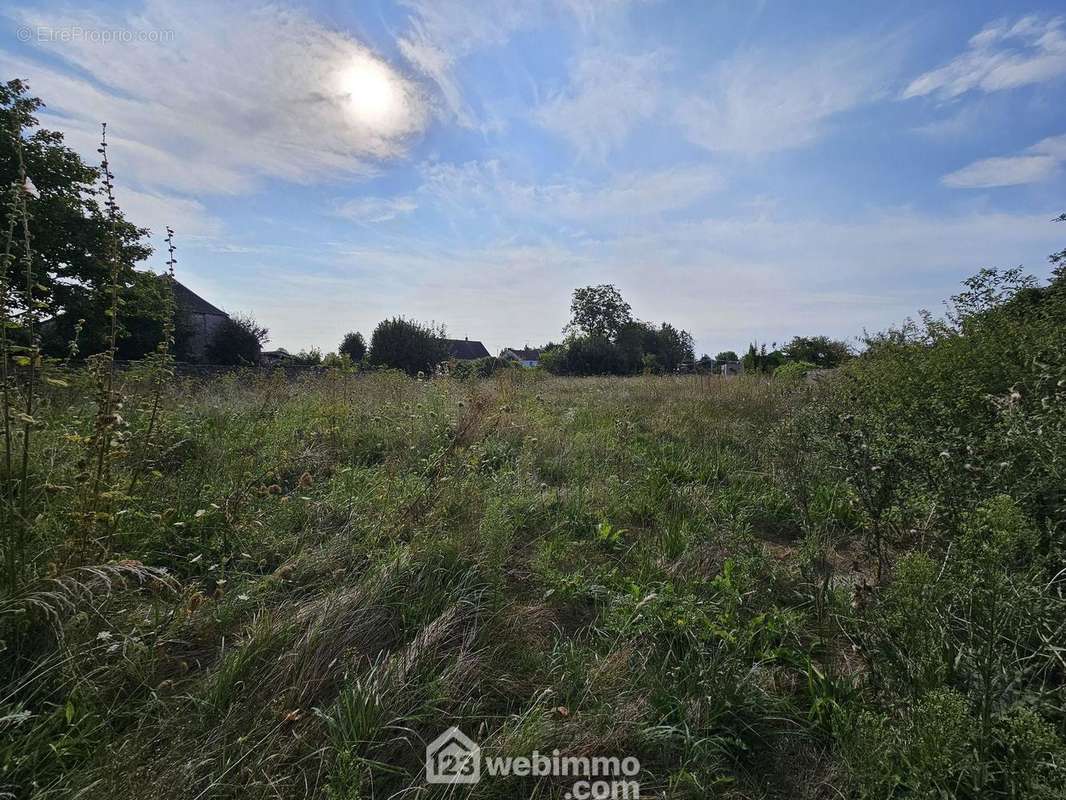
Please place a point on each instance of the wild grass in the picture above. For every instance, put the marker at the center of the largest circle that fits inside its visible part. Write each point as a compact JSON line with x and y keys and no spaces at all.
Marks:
{"x":604,"y":566}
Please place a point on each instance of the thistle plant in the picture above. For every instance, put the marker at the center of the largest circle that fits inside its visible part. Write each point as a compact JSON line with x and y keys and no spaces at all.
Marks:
{"x":7,"y":510}
{"x":18,"y":396}
{"x":161,"y":362}
{"x":108,"y":436}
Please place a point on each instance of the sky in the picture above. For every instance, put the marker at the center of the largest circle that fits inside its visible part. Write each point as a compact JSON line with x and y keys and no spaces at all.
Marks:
{"x":744,"y":170}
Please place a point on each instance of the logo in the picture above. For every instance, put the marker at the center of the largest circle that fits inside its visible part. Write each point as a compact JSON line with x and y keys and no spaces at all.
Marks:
{"x":453,"y":757}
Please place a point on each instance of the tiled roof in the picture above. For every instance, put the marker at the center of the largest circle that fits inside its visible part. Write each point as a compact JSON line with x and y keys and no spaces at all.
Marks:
{"x":466,"y":350}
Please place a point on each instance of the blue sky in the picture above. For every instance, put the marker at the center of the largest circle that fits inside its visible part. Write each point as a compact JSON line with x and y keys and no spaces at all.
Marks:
{"x":742,"y":170}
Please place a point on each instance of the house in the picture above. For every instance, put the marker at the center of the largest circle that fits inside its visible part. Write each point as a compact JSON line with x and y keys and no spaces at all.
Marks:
{"x":465,"y":350}
{"x":274,"y":358}
{"x":195,"y":319}
{"x":198,"y":319}
{"x":527,"y":356}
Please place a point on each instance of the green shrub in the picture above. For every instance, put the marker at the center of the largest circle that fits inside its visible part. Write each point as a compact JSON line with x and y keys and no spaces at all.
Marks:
{"x":794,"y":370}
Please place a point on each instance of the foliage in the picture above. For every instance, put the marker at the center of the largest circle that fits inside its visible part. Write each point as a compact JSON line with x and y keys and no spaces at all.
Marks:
{"x":307,"y":358}
{"x":407,"y":345}
{"x":598,"y":312}
{"x":727,"y":355}
{"x":237,"y":340}
{"x":353,"y":345}
{"x":821,"y":351}
{"x":71,"y":228}
{"x":481,"y":367}
{"x":758,"y":360}
{"x":794,"y":370}
{"x":605,"y":340}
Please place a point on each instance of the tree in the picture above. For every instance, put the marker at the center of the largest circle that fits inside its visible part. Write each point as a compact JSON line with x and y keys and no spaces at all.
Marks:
{"x":598,"y":311}
{"x":408,"y":345}
{"x":1058,"y":260}
{"x":758,"y":360}
{"x":673,"y":347}
{"x":236,"y":341}
{"x":353,"y":345}
{"x":307,"y":358}
{"x":70,"y":230}
{"x":818,"y":350}
{"x":727,"y":355}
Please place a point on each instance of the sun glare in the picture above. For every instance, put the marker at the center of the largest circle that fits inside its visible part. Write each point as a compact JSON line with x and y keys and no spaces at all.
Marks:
{"x":372,"y":93}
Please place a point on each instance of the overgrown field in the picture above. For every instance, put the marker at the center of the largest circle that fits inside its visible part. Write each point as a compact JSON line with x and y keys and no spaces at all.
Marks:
{"x":754,"y":586}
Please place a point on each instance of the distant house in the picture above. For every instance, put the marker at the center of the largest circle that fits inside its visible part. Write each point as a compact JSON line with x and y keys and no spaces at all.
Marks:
{"x":465,"y":350}
{"x":199,"y":320}
{"x":527,"y":356}
{"x":274,"y":358}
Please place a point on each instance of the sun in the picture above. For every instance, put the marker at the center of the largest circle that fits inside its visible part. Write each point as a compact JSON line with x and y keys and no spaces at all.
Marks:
{"x":373,"y":94}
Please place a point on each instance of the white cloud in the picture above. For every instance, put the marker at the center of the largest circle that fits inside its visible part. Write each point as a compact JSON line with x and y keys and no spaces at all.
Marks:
{"x":609,"y":94}
{"x":370,"y":210}
{"x":443,"y":32}
{"x":1002,"y":56}
{"x":157,"y":211}
{"x":1039,"y":163}
{"x":478,"y":186}
{"x":757,"y":103}
{"x":236,"y":93}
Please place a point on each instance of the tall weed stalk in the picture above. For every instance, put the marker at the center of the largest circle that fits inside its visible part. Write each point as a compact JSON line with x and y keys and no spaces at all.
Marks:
{"x":18,"y":396}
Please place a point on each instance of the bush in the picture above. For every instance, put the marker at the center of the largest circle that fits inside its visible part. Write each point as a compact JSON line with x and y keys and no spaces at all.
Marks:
{"x":407,"y":345}
{"x":237,"y":341}
{"x":353,"y":345}
{"x":794,"y":370}
{"x":480,"y":367}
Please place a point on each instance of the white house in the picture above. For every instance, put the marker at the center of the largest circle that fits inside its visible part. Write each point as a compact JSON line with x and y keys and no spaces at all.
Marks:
{"x":527,"y":356}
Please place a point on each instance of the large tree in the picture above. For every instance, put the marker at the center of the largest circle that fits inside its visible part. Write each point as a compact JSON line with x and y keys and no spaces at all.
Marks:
{"x":408,"y":345}
{"x":598,"y":311}
{"x":69,"y":227}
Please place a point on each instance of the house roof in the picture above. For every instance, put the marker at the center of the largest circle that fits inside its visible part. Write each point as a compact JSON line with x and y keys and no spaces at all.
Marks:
{"x":465,"y":350}
{"x":525,"y":353}
{"x":190,"y":302}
